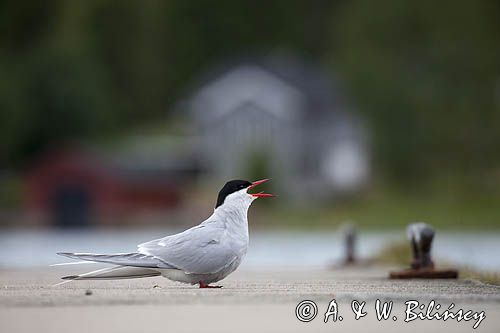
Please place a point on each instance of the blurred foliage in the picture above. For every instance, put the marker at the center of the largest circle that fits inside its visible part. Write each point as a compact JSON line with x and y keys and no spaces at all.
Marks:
{"x":87,"y":69}
{"x":425,"y":74}
{"x":10,"y":194}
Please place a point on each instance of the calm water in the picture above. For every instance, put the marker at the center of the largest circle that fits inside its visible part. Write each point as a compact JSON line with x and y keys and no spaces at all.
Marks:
{"x":277,"y":249}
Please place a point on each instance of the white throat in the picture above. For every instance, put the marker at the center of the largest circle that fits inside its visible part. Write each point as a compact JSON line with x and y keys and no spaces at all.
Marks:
{"x":237,"y":202}
{"x":233,"y":212}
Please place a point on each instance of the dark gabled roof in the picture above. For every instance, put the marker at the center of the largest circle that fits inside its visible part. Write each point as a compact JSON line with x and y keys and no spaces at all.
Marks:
{"x":321,"y":89}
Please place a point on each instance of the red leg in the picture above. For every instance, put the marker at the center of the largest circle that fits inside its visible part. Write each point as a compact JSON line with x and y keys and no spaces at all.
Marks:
{"x":204,"y":285}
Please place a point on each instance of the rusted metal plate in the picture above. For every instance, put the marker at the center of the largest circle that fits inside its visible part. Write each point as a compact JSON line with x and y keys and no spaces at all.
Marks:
{"x":424,"y":274}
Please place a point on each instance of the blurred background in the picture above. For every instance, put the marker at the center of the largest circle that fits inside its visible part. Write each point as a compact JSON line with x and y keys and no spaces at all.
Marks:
{"x":120,"y":122}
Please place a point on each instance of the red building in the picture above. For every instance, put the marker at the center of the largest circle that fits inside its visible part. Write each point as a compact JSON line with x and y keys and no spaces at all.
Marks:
{"x":77,"y":187}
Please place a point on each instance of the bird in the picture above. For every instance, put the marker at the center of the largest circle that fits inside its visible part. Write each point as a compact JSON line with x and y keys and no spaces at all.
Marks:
{"x":201,"y":255}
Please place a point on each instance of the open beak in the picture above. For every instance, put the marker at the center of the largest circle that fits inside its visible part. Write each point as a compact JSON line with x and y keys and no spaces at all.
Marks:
{"x":260,"y":194}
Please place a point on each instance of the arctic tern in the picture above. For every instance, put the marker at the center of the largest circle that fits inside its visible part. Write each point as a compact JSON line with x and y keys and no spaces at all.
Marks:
{"x":201,"y":255}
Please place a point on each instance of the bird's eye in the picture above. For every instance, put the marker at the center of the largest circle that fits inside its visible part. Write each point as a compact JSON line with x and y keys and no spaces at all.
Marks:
{"x":241,"y":186}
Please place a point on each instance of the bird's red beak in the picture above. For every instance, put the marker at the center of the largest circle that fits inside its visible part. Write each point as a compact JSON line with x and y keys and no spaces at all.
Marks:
{"x":260,"y":194}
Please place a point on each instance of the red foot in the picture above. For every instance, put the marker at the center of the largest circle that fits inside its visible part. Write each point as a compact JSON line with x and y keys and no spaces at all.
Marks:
{"x":204,"y":285}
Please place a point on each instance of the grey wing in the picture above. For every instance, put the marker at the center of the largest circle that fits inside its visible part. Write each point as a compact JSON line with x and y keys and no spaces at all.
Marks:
{"x":199,"y":250}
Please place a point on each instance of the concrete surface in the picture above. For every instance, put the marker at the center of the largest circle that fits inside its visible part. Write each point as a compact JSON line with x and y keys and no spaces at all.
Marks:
{"x":251,"y":301}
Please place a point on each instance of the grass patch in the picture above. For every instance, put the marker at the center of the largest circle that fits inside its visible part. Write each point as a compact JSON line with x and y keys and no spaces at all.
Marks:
{"x":392,"y":210}
{"x":399,"y":253}
{"x":485,"y":277}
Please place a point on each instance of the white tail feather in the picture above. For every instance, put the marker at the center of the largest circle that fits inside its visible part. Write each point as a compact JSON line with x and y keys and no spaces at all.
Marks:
{"x":93,"y":273}
{"x":112,"y":273}
{"x":73,"y":263}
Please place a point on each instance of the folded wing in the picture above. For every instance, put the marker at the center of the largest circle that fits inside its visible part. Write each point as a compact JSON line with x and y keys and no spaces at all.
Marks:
{"x":199,"y":250}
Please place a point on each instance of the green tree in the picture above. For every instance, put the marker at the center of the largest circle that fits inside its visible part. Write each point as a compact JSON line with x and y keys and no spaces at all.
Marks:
{"x":427,"y":76}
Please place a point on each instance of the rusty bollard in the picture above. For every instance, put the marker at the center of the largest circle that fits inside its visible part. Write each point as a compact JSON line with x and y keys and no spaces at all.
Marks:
{"x":350,"y":244}
{"x":421,"y":236}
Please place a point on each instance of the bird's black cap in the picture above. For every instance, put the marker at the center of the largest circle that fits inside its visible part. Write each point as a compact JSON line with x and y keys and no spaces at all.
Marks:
{"x":231,"y":187}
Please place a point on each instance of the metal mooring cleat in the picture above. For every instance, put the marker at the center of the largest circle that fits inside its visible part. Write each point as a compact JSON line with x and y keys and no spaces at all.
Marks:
{"x":421,"y":236}
{"x":350,"y":244}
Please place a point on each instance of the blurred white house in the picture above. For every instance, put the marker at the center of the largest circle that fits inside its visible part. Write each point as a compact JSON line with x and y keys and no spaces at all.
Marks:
{"x":279,"y":118}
